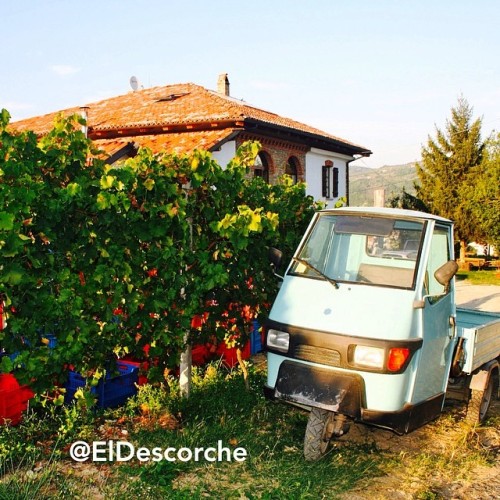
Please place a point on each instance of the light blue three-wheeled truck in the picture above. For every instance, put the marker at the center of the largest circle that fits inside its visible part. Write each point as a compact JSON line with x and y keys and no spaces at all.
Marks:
{"x":365,"y":328}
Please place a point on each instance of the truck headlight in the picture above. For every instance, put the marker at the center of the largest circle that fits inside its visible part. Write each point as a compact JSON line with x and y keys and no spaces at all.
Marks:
{"x":392,"y":359}
{"x":279,"y":341}
{"x":371,"y":357}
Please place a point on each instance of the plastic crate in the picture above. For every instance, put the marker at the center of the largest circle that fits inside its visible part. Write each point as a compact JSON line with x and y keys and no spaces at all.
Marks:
{"x":255,"y":338}
{"x":199,"y":355}
{"x":13,"y":399}
{"x":229,"y":356}
{"x":112,"y":391}
{"x":49,"y":339}
{"x":142,"y":367}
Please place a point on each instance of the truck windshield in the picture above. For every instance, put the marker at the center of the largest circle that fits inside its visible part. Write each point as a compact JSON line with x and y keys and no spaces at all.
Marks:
{"x":361,"y":249}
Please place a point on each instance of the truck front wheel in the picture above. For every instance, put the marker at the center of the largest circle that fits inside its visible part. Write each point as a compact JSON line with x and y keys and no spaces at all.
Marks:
{"x":480,"y":400}
{"x":319,"y":431}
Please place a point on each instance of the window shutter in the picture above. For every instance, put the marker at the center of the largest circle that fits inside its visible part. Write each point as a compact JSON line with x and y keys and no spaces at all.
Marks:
{"x":335,"y":182}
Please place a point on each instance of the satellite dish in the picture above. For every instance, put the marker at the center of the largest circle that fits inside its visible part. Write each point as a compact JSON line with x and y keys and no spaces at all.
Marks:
{"x":134,"y":83}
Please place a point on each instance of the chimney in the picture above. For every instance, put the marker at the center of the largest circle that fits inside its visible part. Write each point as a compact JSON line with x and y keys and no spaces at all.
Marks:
{"x":379,"y":197}
{"x":223,"y":84}
{"x":84,"y":112}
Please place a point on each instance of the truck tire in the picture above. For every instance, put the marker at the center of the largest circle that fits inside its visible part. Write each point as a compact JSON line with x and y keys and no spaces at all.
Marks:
{"x":318,"y":433}
{"x":480,"y":401}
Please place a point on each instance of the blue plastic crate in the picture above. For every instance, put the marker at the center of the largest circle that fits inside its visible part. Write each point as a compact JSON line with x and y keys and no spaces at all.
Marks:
{"x":112,"y":391}
{"x":255,"y":338}
{"x":51,"y":338}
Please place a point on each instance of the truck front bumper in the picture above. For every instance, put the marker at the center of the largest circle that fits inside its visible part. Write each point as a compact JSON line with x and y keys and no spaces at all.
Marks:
{"x":309,"y":385}
{"x":343,"y":393}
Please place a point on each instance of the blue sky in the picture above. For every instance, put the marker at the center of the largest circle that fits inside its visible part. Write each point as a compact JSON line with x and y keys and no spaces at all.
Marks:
{"x":379,"y":73}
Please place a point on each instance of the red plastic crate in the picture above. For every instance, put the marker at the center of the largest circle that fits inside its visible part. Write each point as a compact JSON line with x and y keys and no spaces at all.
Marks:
{"x":229,"y":356}
{"x":142,"y":366}
{"x":13,"y":399}
{"x":3,"y":323}
{"x":199,"y":355}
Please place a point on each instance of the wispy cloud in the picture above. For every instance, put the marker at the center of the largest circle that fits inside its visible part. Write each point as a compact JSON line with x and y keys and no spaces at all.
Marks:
{"x":64,"y":69}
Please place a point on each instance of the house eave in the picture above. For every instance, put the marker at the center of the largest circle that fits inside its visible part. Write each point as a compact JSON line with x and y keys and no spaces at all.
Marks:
{"x":300,"y":136}
{"x":157,"y":129}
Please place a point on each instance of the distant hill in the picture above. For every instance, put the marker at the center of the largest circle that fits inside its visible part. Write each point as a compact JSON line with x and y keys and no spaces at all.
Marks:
{"x":363,"y":181}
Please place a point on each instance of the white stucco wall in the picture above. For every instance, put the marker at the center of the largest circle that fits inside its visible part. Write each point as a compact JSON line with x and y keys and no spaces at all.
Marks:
{"x":226,"y":153}
{"x":315,"y":159}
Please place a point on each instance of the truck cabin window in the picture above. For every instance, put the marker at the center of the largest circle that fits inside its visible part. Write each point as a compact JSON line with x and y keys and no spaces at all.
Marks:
{"x":358,"y":249}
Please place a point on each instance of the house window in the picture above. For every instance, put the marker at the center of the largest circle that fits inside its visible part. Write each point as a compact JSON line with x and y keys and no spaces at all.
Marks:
{"x":291,"y":168}
{"x":261,"y":166}
{"x":326,"y":179}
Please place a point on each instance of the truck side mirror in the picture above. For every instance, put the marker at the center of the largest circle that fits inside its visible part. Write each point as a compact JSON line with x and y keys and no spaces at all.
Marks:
{"x":275,"y":257}
{"x":445,"y":273}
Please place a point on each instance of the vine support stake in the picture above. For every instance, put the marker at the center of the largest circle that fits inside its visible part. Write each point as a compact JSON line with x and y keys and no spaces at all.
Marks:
{"x":185,"y":370}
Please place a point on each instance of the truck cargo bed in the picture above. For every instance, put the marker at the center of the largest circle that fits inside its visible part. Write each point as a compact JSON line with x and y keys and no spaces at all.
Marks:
{"x":481,"y":331}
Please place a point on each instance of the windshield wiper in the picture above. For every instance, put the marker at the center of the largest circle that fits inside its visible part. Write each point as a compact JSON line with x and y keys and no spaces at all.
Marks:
{"x":316,"y":270}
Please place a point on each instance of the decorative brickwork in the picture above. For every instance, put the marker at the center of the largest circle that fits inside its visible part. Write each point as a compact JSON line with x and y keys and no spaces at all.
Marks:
{"x":278,"y":152}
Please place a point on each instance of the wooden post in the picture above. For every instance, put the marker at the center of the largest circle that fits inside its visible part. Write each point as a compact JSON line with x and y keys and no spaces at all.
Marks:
{"x":185,"y":370}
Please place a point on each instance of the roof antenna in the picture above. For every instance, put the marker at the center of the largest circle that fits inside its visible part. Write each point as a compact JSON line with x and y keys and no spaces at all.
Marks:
{"x":134,"y":83}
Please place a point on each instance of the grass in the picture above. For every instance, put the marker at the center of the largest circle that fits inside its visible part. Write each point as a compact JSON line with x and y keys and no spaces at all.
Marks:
{"x":485,"y":277}
{"x":34,"y":461}
{"x":219,"y":409}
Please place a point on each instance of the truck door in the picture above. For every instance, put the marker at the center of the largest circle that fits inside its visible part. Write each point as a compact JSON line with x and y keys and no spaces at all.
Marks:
{"x":437,"y":348}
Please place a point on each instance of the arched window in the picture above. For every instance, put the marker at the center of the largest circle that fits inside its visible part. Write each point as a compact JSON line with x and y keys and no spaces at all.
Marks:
{"x":292,"y":168}
{"x":261,"y":166}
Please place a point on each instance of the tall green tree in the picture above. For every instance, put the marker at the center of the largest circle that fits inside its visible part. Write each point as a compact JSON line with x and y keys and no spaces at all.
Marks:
{"x":448,"y":163}
{"x":482,"y":193}
{"x":407,"y":201}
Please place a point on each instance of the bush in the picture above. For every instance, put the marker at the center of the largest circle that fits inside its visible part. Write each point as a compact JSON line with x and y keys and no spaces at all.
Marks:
{"x":102,"y":261}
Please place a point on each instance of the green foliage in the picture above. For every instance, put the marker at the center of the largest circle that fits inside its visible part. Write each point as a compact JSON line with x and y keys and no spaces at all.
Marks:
{"x":116,"y":260}
{"x":448,"y":162}
{"x":481,"y":193}
{"x":407,"y":201}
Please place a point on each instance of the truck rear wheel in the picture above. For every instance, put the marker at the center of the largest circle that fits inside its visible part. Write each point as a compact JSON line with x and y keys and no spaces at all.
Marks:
{"x":480,"y":400}
{"x":319,"y":431}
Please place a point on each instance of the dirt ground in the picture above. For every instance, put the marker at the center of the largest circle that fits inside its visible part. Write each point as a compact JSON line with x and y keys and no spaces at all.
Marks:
{"x":480,"y":297}
{"x":442,"y":441}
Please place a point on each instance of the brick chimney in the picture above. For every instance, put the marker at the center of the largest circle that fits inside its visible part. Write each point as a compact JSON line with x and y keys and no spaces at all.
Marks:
{"x":223,"y":84}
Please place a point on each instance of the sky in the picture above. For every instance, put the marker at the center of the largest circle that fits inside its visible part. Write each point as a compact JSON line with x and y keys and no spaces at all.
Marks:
{"x":382,"y":74}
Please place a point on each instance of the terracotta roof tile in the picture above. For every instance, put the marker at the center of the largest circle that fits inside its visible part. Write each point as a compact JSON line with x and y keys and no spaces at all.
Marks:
{"x":169,"y":107}
{"x":183,"y":142}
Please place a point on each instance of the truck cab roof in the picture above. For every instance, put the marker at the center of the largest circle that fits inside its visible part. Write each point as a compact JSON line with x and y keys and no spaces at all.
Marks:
{"x":386,"y":212}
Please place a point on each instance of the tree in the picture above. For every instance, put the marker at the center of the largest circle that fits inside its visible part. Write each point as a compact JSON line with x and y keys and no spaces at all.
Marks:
{"x":482,"y":192}
{"x":407,"y":201}
{"x":448,"y":163}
